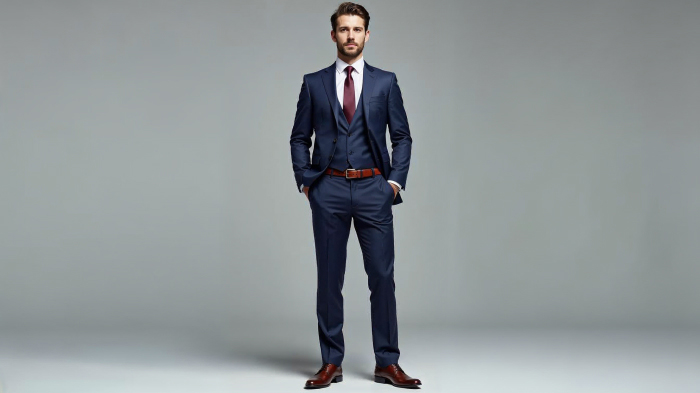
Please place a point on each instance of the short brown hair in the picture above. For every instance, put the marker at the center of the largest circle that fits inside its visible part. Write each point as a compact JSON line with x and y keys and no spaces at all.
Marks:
{"x":349,"y":8}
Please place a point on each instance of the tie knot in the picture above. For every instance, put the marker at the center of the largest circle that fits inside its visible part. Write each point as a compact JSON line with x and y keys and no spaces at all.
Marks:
{"x":348,"y":69}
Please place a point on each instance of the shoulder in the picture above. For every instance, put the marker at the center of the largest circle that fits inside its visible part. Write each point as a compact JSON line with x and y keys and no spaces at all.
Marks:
{"x":381,"y":74}
{"x":378,"y":71}
{"x":316,"y":75}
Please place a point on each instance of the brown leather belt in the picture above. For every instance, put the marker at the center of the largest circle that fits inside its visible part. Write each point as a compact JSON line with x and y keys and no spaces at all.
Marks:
{"x":353,"y":173}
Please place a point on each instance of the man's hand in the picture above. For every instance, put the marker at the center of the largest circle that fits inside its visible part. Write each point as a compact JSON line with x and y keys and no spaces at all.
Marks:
{"x":395,"y":188}
{"x":306,"y":191}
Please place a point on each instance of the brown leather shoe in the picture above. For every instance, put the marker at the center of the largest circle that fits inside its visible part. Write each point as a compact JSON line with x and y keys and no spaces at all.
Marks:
{"x":395,"y":375}
{"x":328,"y":373}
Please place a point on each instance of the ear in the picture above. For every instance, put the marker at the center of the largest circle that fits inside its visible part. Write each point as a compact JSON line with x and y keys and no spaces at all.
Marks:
{"x":333,"y":36}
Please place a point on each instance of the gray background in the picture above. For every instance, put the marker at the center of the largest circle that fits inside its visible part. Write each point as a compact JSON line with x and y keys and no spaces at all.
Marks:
{"x":147,"y":180}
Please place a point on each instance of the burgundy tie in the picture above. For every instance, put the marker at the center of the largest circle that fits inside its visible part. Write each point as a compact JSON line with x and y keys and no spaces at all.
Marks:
{"x":349,"y":95}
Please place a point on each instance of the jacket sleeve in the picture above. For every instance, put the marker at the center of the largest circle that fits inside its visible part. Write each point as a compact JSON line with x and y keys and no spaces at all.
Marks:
{"x":399,"y":134}
{"x":302,"y":130}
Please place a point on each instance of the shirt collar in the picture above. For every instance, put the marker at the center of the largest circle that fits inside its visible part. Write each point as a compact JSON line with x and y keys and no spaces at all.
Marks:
{"x":358,"y":66}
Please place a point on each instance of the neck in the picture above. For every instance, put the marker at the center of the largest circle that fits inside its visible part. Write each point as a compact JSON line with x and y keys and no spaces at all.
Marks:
{"x":349,"y":60}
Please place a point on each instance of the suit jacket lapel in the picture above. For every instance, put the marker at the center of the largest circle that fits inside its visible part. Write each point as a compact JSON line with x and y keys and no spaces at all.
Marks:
{"x":367,"y":89}
{"x":329,"y":85}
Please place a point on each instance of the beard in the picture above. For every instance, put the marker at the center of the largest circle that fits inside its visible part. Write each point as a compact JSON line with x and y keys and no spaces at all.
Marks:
{"x":356,"y":51}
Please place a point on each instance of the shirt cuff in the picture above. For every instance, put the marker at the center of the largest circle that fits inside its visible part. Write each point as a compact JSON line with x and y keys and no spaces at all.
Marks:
{"x":391,"y":181}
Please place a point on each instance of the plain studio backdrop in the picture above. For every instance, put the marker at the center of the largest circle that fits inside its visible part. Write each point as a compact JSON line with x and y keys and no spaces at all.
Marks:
{"x":146,"y":179}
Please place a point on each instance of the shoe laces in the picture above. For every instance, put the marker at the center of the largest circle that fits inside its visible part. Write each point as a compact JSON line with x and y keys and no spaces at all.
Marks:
{"x":323,"y":367}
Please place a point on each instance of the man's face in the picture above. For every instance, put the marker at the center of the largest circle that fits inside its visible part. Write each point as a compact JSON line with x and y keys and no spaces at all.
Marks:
{"x":350,"y":35}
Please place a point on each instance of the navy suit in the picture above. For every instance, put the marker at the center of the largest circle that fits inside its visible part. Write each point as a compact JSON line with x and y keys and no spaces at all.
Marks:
{"x":336,"y":201}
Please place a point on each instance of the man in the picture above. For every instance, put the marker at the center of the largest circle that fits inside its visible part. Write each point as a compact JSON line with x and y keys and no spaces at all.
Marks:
{"x":350,"y":176}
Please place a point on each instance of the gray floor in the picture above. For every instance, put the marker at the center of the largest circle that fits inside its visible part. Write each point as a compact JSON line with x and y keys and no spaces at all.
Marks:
{"x":255,"y":359}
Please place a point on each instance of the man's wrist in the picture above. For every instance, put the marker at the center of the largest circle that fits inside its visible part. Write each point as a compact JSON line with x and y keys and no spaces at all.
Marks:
{"x":397,"y":184}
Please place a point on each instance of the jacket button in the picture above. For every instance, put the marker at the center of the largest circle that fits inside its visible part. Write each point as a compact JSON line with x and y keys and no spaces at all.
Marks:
{"x":331,"y":156}
{"x":335,"y":139}
{"x":350,"y":151}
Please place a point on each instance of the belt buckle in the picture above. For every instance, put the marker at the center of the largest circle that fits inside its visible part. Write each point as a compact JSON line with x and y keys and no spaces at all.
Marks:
{"x":346,"y":173}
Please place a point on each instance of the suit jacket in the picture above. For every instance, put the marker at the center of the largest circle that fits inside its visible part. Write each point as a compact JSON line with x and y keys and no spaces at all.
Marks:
{"x":319,"y":111}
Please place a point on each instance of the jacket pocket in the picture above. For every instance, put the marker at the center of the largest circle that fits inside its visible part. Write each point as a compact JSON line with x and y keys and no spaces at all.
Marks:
{"x":378,"y":97}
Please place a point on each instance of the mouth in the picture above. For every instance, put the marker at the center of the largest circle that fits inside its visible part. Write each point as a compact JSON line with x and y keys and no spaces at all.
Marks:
{"x":350,"y":45}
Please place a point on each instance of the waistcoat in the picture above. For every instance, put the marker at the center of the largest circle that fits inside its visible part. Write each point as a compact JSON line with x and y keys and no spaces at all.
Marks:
{"x":352,"y":148}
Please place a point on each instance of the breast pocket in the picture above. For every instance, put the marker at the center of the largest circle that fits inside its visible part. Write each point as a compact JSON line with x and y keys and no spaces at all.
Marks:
{"x":378,"y":109}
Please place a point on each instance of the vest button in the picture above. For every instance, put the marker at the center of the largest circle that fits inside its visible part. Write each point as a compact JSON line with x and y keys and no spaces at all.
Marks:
{"x":331,"y":156}
{"x":350,"y":134}
{"x":335,"y":139}
{"x":350,"y":151}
